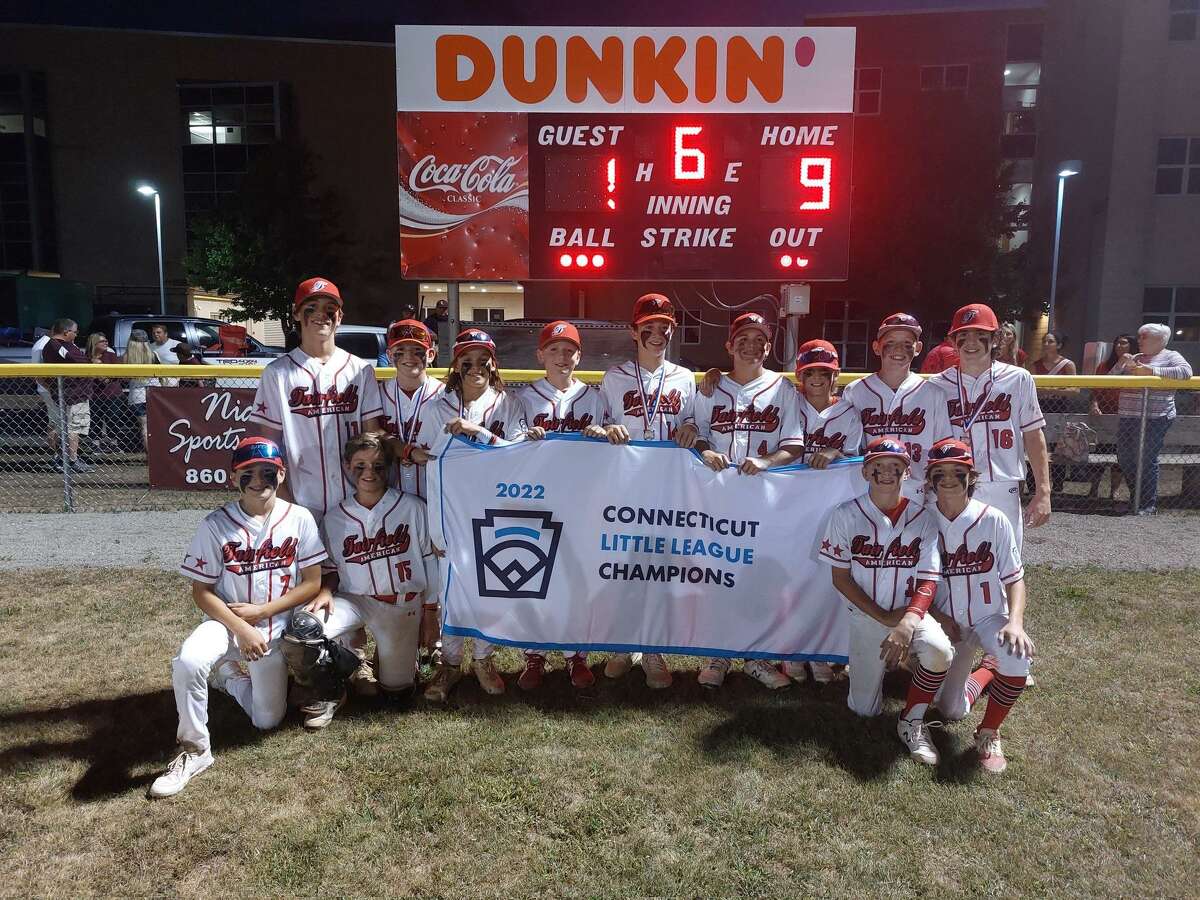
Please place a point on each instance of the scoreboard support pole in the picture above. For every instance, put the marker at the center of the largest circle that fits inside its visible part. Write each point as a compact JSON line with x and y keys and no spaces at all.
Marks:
{"x":447,"y":335}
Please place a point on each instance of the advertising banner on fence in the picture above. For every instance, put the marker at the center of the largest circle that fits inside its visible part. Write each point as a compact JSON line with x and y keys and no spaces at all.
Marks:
{"x":192,"y":433}
{"x":573,"y":543}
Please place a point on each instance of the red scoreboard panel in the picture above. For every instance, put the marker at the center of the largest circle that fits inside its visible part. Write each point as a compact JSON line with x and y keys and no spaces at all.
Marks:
{"x":689,"y":196}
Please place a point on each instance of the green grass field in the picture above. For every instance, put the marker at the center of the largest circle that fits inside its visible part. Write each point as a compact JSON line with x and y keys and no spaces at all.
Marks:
{"x":619,"y":791}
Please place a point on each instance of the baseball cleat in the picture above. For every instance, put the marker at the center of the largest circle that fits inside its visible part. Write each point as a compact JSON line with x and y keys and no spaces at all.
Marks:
{"x":535,"y":669}
{"x":444,"y":679}
{"x":915,"y":735}
{"x":581,"y":675}
{"x":658,"y":676}
{"x":488,"y":676}
{"x":823,"y":673}
{"x":182,"y":769}
{"x":223,"y":671}
{"x":712,"y":676}
{"x":319,"y":714}
{"x":796,"y":670}
{"x":362,"y":679}
{"x":991,"y":753}
{"x":762,"y":671}
{"x":618,"y":665}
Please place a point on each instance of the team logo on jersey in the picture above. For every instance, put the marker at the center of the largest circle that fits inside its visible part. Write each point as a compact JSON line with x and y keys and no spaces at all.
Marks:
{"x":964,"y":561}
{"x":725,"y":420}
{"x":323,"y":403}
{"x":897,"y":554}
{"x":566,"y":424}
{"x":819,"y":440}
{"x":898,"y":422}
{"x":670,"y":404}
{"x":995,"y":409}
{"x":384,"y":544}
{"x":515,"y":552}
{"x":244,"y":561}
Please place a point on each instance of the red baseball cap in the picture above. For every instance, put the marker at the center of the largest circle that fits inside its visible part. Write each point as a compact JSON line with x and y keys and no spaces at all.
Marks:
{"x":885,"y":446}
{"x":817,"y":354}
{"x":252,"y":450}
{"x":559,"y":331}
{"x":899,"y":320}
{"x":951,"y":450}
{"x":974,"y":315}
{"x":749,"y":320}
{"x":316,"y":287}
{"x":409,"y":331}
{"x":651,"y":307}
{"x":470,"y":339}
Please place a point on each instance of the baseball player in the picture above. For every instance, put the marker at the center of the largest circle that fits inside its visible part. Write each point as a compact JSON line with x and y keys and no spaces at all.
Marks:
{"x":559,"y":404}
{"x":648,"y":399}
{"x":380,"y":572}
{"x":994,"y":408}
{"x":894,"y":401}
{"x":883,"y":549}
{"x":476,"y":406}
{"x":751,"y":421}
{"x":981,"y":600}
{"x":250,"y":563}
{"x":405,"y":399}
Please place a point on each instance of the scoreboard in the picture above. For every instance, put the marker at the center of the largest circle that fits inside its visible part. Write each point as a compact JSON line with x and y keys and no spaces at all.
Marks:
{"x":726,"y":197}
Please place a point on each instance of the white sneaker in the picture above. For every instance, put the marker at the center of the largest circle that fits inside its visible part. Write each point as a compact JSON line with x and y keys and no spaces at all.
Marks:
{"x":618,"y":665}
{"x":182,"y":769}
{"x":658,"y":676}
{"x":321,"y":713}
{"x":489,"y":677}
{"x":761,"y":670}
{"x":823,"y":673}
{"x":713,"y":674}
{"x":915,"y":735}
{"x":795,"y":670}
{"x":991,"y":752}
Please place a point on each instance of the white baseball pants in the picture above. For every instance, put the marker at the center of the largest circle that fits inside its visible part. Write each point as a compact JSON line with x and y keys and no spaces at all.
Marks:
{"x":1006,"y":497}
{"x":951,"y":698}
{"x":262,"y":694}
{"x":929,"y":645}
{"x":396,"y":628}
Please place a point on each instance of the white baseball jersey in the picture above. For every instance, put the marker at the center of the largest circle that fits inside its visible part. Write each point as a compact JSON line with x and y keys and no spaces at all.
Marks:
{"x":992,"y":412}
{"x":318,"y":407}
{"x":915,"y":413}
{"x":752,"y":419}
{"x":885,"y":559}
{"x":402,"y":419}
{"x":248,"y":561}
{"x":979,"y":556}
{"x":383,"y":551}
{"x":563,"y":412}
{"x":625,"y":386}
{"x":501,"y":413}
{"x":844,"y":434}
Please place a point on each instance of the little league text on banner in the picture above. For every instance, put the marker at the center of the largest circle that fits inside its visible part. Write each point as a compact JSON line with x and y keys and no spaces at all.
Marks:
{"x":571,"y":543}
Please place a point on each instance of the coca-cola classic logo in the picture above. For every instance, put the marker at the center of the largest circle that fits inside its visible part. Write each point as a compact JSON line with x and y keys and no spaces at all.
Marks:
{"x":464,"y":182}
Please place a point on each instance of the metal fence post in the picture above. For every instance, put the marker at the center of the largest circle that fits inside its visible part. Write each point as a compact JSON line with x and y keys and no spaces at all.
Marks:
{"x":1141,"y":451}
{"x":68,"y":487}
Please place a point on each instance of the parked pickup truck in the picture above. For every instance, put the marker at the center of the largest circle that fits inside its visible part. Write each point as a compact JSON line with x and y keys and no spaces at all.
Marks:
{"x":203,"y":334}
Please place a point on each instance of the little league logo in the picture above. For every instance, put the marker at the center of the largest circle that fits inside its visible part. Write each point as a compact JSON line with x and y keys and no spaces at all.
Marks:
{"x":515,"y":552}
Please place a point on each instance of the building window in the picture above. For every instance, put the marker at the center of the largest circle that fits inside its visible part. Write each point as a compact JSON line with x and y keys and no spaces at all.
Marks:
{"x":28,"y":234}
{"x":1178,"y":166}
{"x":945,"y":78}
{"x":1184,"y":14}
{"x":489,"y":314}
{"x":689,"y":327}
{"x":224,"y":127}
{"x":1176,"y":307}
{"x":846,"y":328}
{"x":868,"y":91}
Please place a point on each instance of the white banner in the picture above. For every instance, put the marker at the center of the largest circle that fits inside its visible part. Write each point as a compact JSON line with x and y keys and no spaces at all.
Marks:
{"x":571,"y":543}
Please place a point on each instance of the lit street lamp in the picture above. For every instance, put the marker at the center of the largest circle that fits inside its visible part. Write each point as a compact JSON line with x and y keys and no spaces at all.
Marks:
{"x":1065,"y":171}
{"x":149,"y":191}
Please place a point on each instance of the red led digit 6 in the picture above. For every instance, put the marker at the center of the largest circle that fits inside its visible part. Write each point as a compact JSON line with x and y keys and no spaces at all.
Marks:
{"x":824,"y":167}
{"x":694,"y":169}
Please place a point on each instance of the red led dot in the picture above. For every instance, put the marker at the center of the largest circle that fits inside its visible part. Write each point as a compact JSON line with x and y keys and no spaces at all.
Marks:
{"x":785,"y":261}
{"x":801,"y":261}
{"x":581,"y":260}
{"x":565,"y":260}
{"x":598,"y":260}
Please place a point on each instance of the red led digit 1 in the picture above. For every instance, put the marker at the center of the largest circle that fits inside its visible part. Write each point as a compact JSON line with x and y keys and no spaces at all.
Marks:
{"x":689,"y":161}
{"x":612,"y":181}
{"x":815,"y":172}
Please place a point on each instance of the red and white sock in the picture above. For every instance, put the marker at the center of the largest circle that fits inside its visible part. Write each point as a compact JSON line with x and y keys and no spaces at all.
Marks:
{"x":920,"y":693}
{"x":1004,"y":692}
{"x":980,"y":679}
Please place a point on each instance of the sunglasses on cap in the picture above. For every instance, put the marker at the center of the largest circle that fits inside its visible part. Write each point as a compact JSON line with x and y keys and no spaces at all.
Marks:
{"x":253,"y":451}
{"x":950,"y":451}
{"x":405,"y":332}
{"x":815,"y":356}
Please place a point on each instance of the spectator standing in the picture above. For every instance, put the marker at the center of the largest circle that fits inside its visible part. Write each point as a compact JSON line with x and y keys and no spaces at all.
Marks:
{"x":139,"y":353}
{"x":106,"y":394}
{"x":1006,"y":350}
{"x":1105,"y":400}
{"x":163,"y":347}
{"x":186,"y":355}
{"x":942,"y":357}
{"x":76,"y":396}
{"x":1054,"y":363}
{"x":1153,"y":359}
{"x":35,"y":356}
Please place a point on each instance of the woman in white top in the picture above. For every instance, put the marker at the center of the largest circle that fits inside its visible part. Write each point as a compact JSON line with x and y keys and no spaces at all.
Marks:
{"x":138,"y":353}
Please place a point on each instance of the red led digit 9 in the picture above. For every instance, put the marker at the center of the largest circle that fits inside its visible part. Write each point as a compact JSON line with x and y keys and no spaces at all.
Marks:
{"x":815,"y":172}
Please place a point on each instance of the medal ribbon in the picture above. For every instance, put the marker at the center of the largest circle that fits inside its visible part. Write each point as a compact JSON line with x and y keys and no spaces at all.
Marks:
{"x":647,"y":414}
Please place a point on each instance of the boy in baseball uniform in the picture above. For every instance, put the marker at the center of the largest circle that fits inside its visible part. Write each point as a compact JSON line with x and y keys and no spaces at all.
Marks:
{"x":981,"y":600}
{"x":882,"y":548}
{"x":381,"y":570}
{"x":406,"y":399}
{"x":559,"y":404}
{"x":647,"y":399}
{"x":894,"y":401}
{"x":751,"y":421}
{"x":993,"y":407}
{"x":250,"y":563}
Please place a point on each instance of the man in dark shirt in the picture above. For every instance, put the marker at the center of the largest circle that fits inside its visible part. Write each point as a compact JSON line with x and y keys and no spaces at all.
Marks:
{"x":75,"y":409}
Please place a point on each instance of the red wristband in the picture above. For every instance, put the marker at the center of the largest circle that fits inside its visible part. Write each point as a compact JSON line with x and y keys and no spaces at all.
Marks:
{"x":922,"y":598}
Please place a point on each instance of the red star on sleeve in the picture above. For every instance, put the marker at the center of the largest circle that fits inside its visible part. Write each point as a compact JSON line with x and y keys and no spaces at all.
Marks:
{"x":824,"y":545}
{"x":261,"y":407}
{"x":837,"y":549}
{"x":201,"y":563}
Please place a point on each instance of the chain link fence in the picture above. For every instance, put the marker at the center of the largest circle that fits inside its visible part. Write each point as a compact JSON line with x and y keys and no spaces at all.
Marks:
{"x":74,"y":441}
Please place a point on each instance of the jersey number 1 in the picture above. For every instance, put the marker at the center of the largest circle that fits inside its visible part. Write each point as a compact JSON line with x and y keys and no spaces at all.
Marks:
{"x":351,"y":430}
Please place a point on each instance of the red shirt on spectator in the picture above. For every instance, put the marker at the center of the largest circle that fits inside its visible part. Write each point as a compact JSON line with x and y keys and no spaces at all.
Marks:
{"x":940,"y":358}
